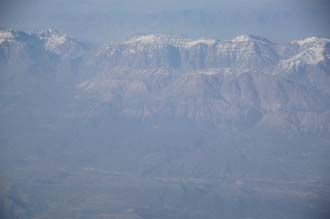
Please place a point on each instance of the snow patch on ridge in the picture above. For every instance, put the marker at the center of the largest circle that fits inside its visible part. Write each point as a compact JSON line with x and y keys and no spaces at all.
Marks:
{"x":313,"y":50}
{"x":5,"y":35}
{"x":192,"y":43}
{"x":310,"y":40}
{"x":246,"y":38}
{"x":163,"y":39}
{"x":52,"y":39}
{"x":147,"y":39}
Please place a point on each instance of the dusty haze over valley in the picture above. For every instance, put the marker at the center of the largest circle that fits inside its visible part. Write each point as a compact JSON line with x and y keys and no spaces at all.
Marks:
{"x":190,"y":114}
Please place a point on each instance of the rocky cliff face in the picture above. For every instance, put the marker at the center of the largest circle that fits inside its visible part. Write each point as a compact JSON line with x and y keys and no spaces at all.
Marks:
{"x":154,"y":51}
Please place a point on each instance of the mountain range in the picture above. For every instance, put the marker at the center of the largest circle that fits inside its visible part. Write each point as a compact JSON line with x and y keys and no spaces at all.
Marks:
{"x":247,"y":81}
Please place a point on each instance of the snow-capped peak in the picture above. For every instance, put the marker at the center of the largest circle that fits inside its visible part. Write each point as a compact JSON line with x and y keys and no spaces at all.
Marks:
{"x":192,"y":43}
{"x":147,"y":39}
{"x":163,"y":39}
{"x":11,"y":35}
{"x":5,"y":35}
{"x":52,"y":39}
{"x":241,"y":38}
{"x":61,"y":44}
{"x":310,"y":41}
{"x":247,"y":38}
{"x":312,"y":50}
{"x":49,"y":32}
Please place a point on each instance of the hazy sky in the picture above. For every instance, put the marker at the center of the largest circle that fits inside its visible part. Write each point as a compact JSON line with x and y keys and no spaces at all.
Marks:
{"x":109,"y":20}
